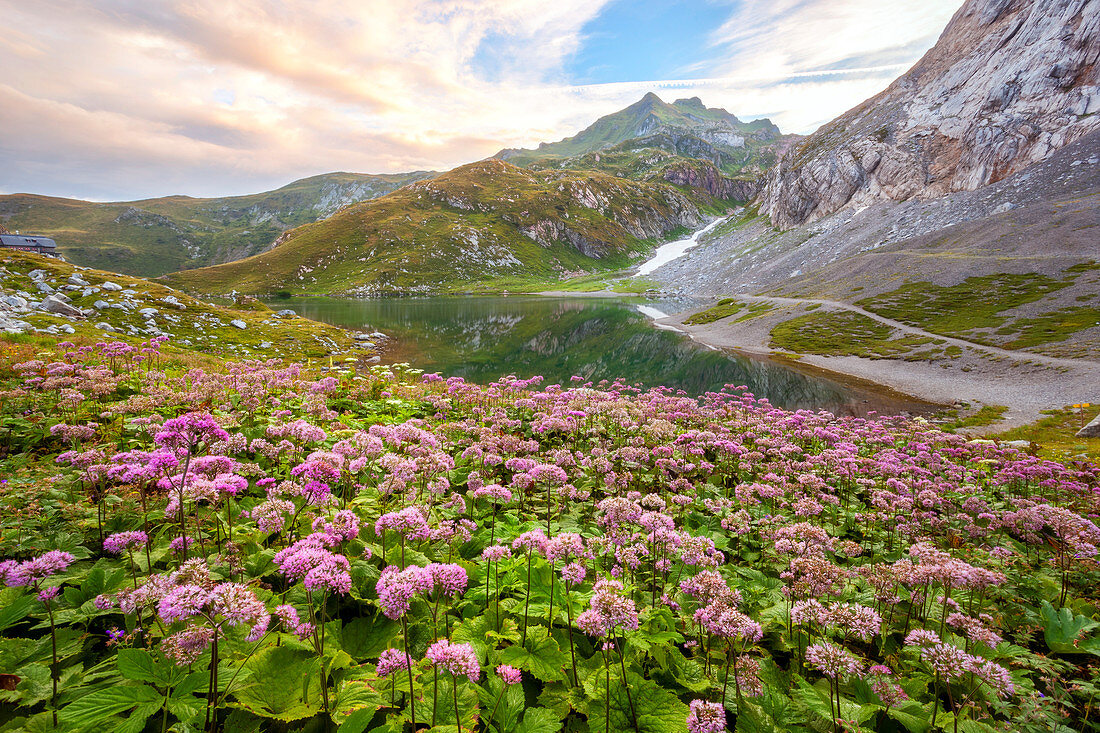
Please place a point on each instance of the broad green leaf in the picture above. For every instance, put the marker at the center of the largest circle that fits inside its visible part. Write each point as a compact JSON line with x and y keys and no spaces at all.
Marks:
{"x":365,"y":638}
{"x":93,"y":709}
{"x":511,"y":704}
{"x":356,"y":697}
{"x":285,"y":686}
{"x":814,"y":699}
{"x":753,"y":719}
{"x":657,"y":710}
{"x":543,"y":658}
{"x":912,"y":715}
{"x":357,"y":722}
{"x":16,"y":611}
{"x":141,"y":665}
{"x":539,"y":720}
{"x":1065,"y":631}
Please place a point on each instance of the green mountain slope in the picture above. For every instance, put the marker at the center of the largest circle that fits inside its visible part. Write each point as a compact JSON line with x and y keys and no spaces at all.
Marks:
{"x":156,"y":236}
{"x":488,"y":223}
{"x":686,"y":128}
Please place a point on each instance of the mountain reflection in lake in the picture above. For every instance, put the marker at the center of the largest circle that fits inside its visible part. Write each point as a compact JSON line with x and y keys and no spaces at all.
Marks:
{"x":482,"y":338}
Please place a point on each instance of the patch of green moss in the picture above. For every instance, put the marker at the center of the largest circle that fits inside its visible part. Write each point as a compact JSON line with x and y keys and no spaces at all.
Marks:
{"x":987,"y":415}
{"x":959,"y":309}
{"x":842,"y":334}
{"x":723,"y":309}
{"x":1052,"y":327}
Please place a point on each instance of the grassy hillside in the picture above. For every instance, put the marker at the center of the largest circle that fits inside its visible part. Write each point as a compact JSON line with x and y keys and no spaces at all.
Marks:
{"x":486,"y":224}
{"x":193,"y":326}
{"x":155,"y":236}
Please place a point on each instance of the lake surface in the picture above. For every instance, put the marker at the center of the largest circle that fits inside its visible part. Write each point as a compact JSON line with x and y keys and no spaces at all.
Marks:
{"x":482,"y":338}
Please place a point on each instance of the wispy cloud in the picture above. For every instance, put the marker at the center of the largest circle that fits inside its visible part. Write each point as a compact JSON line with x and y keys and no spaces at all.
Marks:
{"x":134,"y":98}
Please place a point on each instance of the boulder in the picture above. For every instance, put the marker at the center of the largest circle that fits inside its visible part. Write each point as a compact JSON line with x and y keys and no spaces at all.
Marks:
{"x":44,"y":287}
{"x":100,"y":305}
{"x":37,"y":275}
{"x":286,"y":313}
{"x":112,"y":287}
{"x":14,"y":301}
{"x":75,"y":279}
{"x":105,"y":327}
{"x":238,"y":323}
{"x":1092,"y":430}
{"x":53,"y":304}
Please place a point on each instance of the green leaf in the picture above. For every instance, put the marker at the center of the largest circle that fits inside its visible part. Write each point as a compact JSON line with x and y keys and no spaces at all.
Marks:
{"x":357,"y":722}
{"x":539,"y":720}
{"x":142,"y":666}
{"x":186,"y":707}
{"x":912,"y":715}
{"x":1065,"y":632}
{"x":16,"y":611}
{"x":753,"y":719}
{"x":814,"y":699}
{"x":365,"y":638}
{"x":658,"y":710}
{"x":93,"y":709}
{"x":511,"y":702}
{"x":283,"y":676}
{"x":544,"y":659}
{"x":356,"y":697}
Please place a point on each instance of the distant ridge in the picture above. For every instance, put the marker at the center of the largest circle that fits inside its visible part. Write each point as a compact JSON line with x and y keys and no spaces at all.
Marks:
{"x":686,"y":127}
{"x":155,"y":236}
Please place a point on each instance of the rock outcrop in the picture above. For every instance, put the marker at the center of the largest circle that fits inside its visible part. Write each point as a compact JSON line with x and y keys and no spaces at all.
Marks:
{"x":709,"y":179}
{"x":1008,"y":83}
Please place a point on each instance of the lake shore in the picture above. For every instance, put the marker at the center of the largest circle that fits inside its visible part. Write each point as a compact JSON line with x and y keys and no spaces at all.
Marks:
{"x":1026,"y":386}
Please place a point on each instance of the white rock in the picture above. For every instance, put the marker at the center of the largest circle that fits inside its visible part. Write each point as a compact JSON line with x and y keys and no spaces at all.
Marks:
{"x":105,"y":327}
{"x":53,"y":304}
{"x":75,"y":279}
{"x":37,"y":275}
{"x":44,"y":288}
{"x":14,"y":301}
{"x":89,"y":291}
{"x":238,"y":323}
{"x":112,"y":287}
{"x":66,"y":328}
{"x":100,"y":305}
{"x":148,"y":311}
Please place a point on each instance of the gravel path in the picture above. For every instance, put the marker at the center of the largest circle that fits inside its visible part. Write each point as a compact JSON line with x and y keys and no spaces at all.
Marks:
{"x":1026,"y":383}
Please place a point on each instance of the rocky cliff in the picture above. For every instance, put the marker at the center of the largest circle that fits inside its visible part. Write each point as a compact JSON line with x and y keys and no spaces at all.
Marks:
{"x":1008,"y":83}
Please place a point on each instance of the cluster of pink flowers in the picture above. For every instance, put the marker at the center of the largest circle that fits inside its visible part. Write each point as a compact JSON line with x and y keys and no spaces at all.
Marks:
{"x":392,"y":660}
{"x":458,"y":659}
{"x":396,"y":588}
{"x":608,"y":611}
{"x":833,"y":661}
{"x":120,"y":541}
{"x":950,"y":662}
{"x":706,"y":717}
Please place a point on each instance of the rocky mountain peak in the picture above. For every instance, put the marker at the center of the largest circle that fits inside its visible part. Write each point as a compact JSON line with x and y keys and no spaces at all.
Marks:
{"x":1007,"y":84}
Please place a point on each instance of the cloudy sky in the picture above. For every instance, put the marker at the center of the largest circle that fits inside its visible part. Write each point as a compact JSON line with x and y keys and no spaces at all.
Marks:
{"x":125,"y":99}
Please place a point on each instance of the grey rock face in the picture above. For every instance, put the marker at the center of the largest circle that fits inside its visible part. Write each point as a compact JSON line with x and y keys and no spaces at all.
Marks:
{"x":1008,"y":83}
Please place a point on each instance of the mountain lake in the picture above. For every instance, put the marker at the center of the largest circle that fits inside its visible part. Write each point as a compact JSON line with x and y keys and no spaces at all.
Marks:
{"x":482,"y":338}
